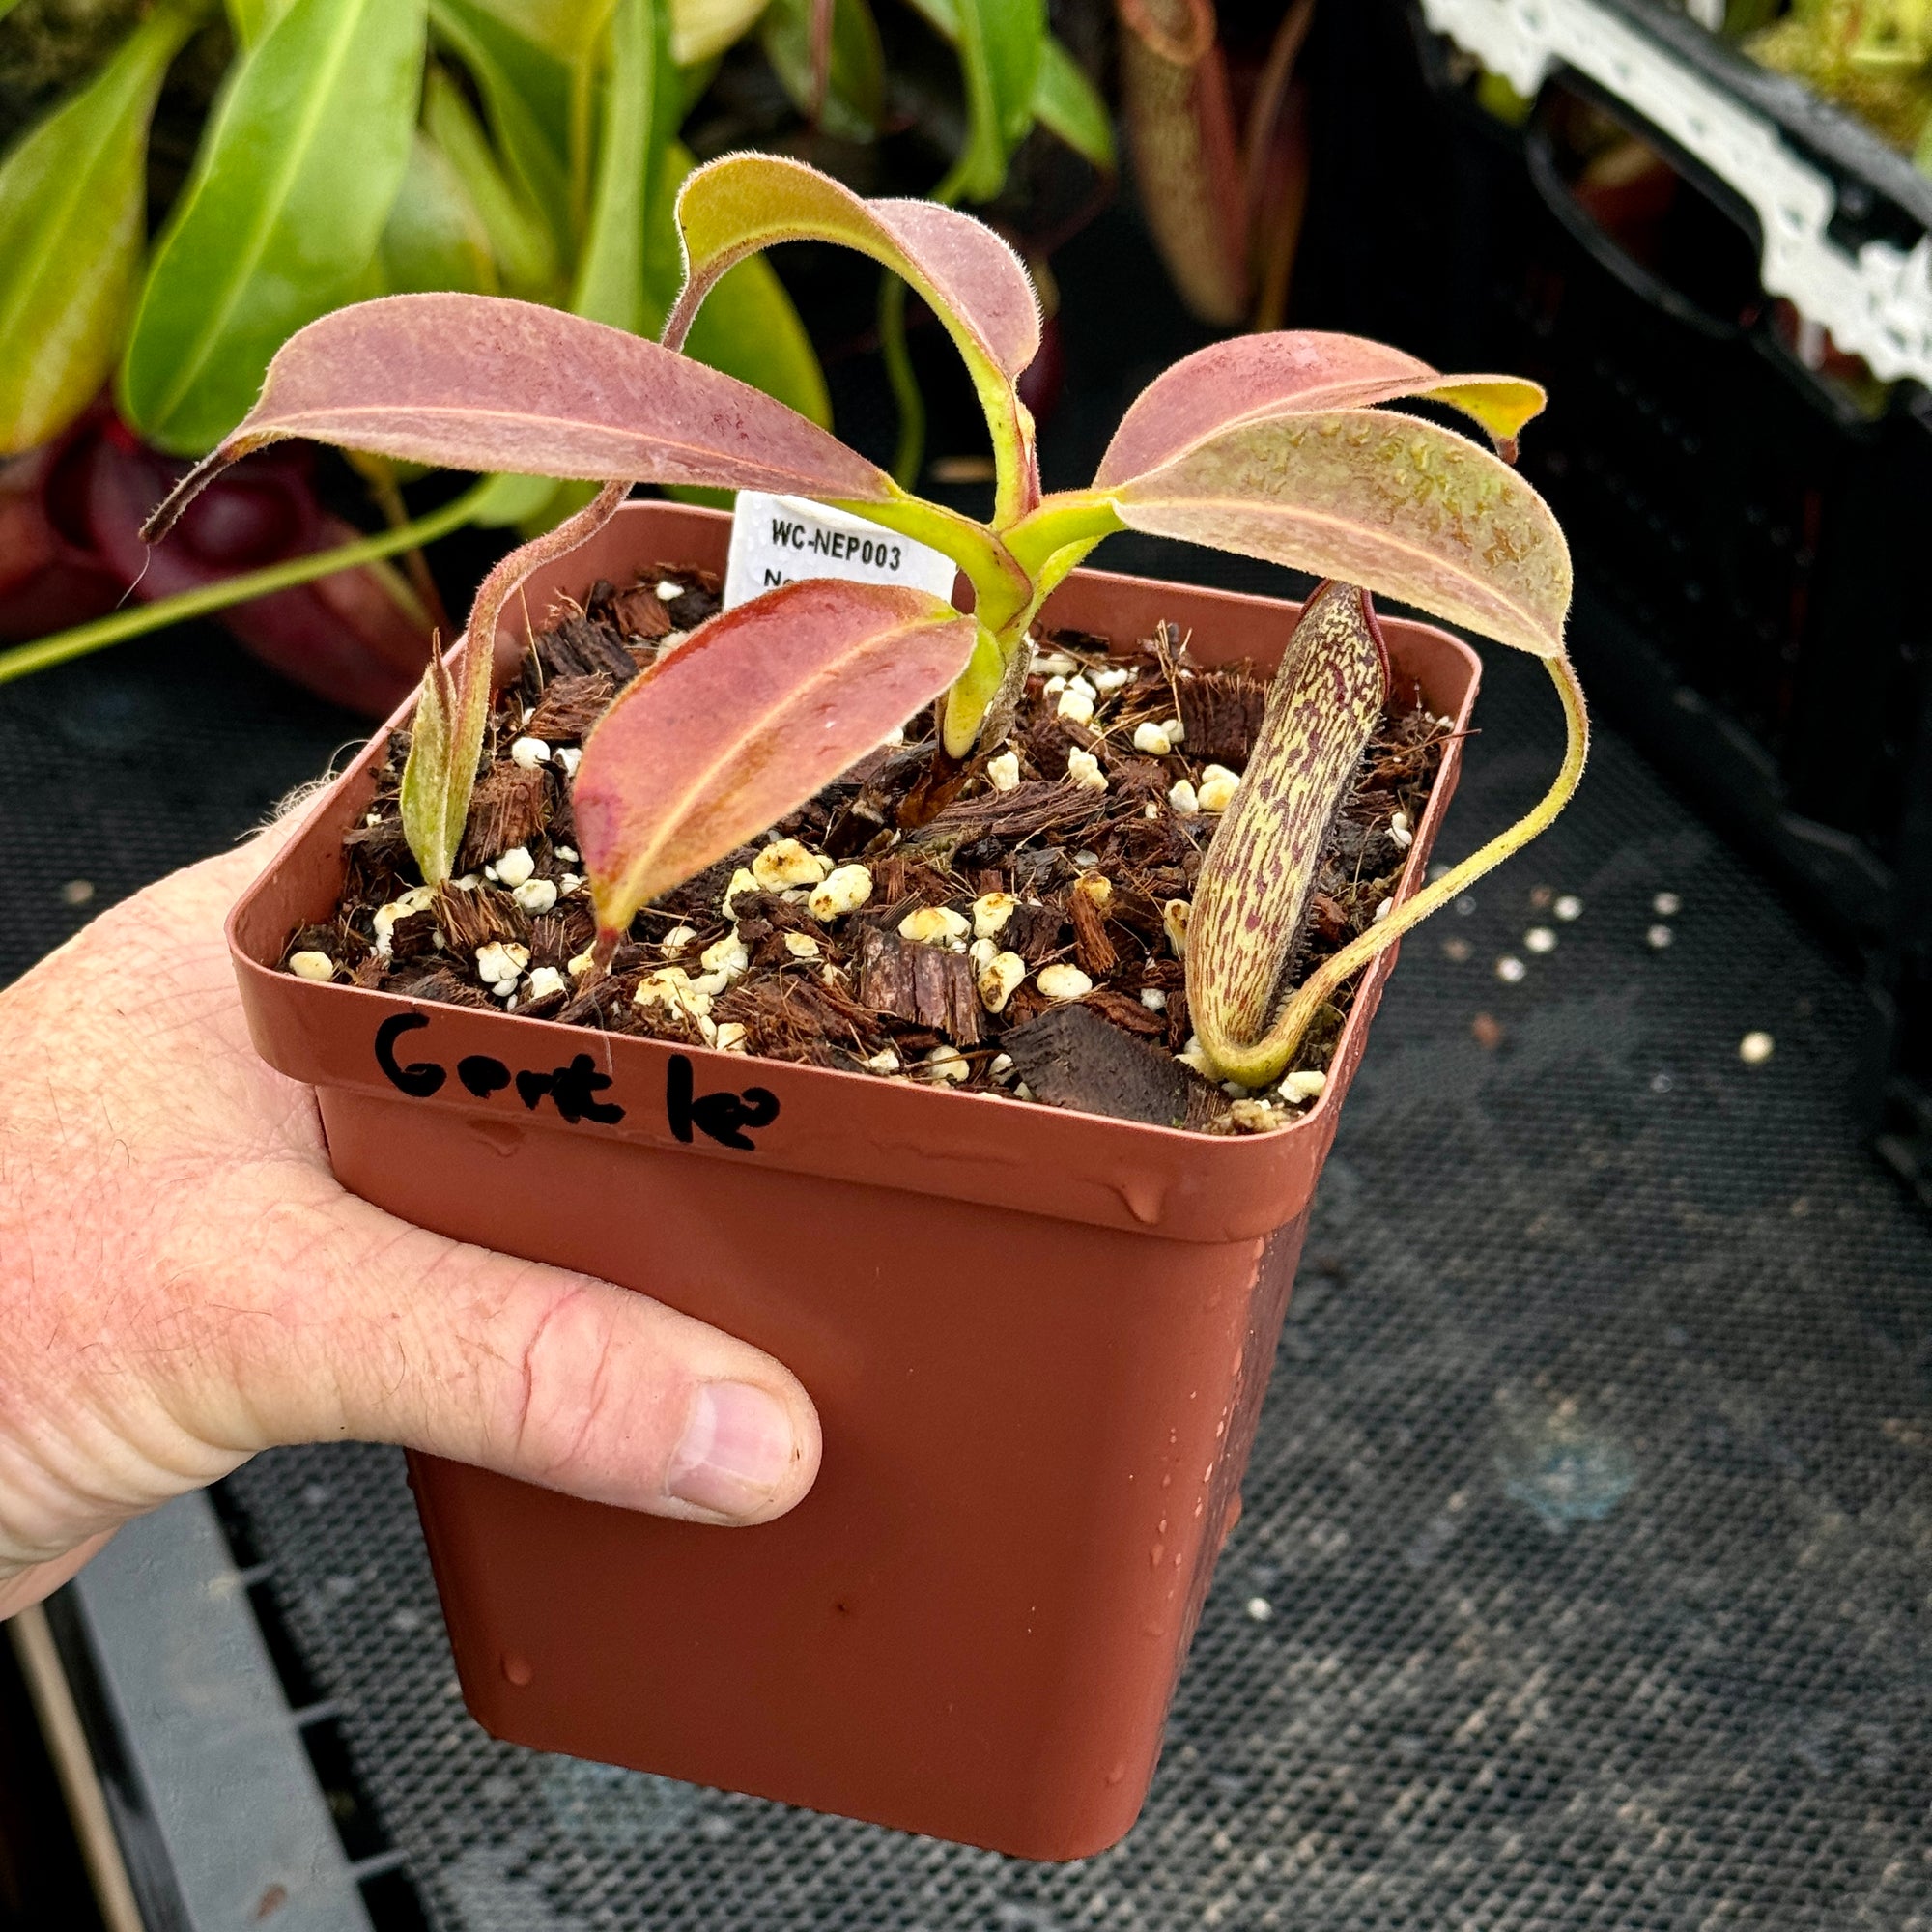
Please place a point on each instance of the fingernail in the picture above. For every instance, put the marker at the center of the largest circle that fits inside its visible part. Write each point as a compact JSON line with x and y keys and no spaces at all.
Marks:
{"x":738,"y":1446}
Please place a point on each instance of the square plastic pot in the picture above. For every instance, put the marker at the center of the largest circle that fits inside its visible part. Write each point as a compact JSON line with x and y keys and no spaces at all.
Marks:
{"x":1038,"y":1341}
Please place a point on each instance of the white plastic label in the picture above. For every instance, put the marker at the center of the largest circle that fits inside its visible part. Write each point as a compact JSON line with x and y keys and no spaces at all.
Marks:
{"x":780,"y":539}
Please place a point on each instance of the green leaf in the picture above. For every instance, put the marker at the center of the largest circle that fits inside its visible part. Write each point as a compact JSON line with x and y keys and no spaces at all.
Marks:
{"x":251,"y":20}
{"x":693,"y":80}
{"x":1070,"y":105}
{"x":281,"y":215}
{"x":585,"y":64}
{"x":1064,"y":100}
{"x":639,"y":98}
{"x":435,"y":238}
{"x":73,"y":198}
{"x":520,"y":238}
{"x":526,"y":92}
{"x":701,"y":30}
{"x":516,"y":501}
{"x":561,"y":27}
{"x":1001,"y":46}
{"x":854,"y":91}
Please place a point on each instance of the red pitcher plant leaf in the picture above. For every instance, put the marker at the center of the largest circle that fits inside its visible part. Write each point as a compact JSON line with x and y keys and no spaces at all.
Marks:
{"x":485,"y":384}
{"x":1251,"y":900}
{"x":1372,"y":497}
{"x":744,"y":722}
{"x":1275,"y":446}
{"x":971,"y":280}
{"x":978,"y":286}
{"x":1305,"y":370}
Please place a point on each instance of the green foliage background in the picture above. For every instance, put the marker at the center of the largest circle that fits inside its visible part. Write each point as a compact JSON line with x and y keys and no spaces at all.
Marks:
{"x":354,"y":148}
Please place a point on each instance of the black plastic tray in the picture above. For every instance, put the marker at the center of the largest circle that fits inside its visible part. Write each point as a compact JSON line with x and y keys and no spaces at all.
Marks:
{"x":1751,"y":604}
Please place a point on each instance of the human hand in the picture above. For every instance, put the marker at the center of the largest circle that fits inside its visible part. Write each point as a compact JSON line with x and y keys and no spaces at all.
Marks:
{"x":183,"y":1282}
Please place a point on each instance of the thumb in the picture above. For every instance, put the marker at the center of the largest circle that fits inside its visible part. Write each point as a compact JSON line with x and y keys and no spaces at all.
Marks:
{"x":399,"y":1335}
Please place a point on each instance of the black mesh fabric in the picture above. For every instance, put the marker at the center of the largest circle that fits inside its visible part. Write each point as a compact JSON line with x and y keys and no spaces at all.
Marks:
{"x":1583,"y":1576}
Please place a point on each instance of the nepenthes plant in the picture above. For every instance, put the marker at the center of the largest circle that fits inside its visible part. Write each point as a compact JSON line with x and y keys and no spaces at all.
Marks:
{"x":1278,"y":446}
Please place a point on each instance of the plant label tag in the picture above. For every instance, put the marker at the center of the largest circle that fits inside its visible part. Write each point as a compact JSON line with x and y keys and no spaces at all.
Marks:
{"x":780,"y":539}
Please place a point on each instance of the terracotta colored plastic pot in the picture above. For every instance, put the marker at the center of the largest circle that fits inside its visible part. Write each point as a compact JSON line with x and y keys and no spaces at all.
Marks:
{"x":1038,"y":1341}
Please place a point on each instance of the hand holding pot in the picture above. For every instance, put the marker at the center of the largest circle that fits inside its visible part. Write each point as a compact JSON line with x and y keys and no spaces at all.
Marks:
{"x":182,"y":1283}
